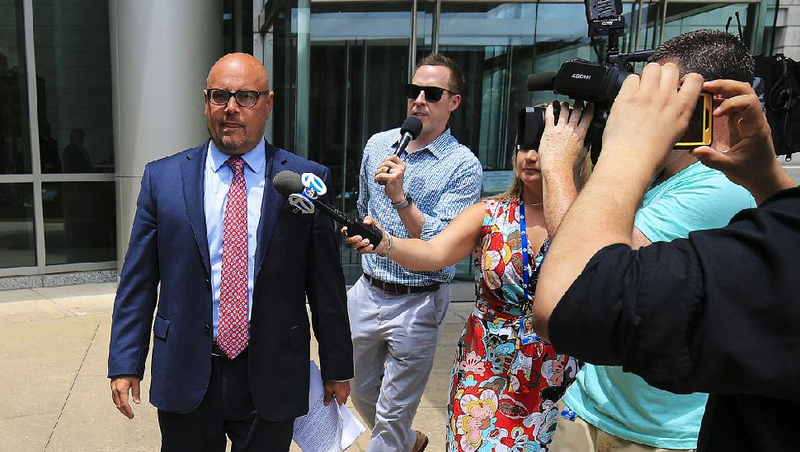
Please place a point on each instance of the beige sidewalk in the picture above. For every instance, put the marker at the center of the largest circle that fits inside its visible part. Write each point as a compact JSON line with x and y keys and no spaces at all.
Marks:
{"x":54,"y":394}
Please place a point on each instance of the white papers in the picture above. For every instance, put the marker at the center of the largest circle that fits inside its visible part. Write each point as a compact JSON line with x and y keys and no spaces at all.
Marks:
{"x":331,"y":428}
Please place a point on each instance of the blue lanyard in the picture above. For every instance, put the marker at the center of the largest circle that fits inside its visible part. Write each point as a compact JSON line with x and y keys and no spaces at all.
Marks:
{"x":528,"y":273}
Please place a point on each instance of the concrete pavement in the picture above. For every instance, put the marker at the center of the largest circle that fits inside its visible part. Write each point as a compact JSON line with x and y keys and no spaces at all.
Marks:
{"x":55,"y":397}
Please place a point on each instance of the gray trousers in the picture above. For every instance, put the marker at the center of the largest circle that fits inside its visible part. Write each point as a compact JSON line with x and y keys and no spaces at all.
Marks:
{"x":394,"y":341}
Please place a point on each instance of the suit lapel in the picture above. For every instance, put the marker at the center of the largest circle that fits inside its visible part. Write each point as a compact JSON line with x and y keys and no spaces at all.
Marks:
{"x":270,"y":204}
{"x":192,"y":175}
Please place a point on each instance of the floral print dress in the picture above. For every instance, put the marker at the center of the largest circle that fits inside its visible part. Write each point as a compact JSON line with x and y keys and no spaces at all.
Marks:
{"x":503,"y":393}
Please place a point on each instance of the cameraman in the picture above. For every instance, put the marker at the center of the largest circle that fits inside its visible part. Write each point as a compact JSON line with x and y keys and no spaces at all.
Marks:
{"x":716,"y":312}
{"x":614,"y":408}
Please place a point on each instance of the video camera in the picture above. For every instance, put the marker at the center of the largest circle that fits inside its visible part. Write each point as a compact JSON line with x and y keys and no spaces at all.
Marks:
{"x":777,"y":83}
{"x":599,"y":83}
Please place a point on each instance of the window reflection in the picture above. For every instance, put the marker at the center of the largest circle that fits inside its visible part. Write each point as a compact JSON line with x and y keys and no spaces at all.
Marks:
{"x":498,"y":45}
{"x":357,"y":74}
{"x":15,"y":154}
{"x":365,"y":70}
{"x":80,"y":222}
{"x":17,"y":242}
{"x":73,"y":68}
{"x":684,"y":17}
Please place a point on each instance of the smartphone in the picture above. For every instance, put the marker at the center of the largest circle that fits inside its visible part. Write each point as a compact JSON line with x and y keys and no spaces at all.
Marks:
{"x":699,"y":131}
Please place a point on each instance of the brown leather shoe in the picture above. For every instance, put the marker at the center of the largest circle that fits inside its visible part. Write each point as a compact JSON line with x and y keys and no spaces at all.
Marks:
{"x":420,"y":443}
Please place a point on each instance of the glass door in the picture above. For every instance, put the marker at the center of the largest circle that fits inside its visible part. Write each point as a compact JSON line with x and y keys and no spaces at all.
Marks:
{"x":339,"y":69}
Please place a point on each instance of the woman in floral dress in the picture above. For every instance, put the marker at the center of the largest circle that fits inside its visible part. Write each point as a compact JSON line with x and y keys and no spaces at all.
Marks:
{"x":505,"y":380}
{"x":504,"y":389}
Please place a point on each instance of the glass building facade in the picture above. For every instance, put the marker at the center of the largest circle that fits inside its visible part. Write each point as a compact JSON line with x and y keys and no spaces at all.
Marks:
{"x":338,"y":69}
{"x":57,"y":197}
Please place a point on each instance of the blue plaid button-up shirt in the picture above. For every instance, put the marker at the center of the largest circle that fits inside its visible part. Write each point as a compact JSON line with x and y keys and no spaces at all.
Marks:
{"x":443,"y":179}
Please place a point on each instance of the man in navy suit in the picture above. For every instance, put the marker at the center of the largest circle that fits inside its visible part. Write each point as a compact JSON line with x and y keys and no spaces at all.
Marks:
{"x":235,"y":267}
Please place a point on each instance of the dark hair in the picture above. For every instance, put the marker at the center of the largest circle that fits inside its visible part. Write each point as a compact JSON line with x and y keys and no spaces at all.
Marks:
{"x":713,"y":54}
{"x":456,"y":74}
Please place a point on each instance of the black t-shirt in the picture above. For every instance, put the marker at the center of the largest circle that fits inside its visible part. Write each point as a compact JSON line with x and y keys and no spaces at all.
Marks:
{"x":718,"y":312}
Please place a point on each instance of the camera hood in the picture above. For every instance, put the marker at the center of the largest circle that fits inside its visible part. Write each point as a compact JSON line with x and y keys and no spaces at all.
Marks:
{"x":591,"y":82}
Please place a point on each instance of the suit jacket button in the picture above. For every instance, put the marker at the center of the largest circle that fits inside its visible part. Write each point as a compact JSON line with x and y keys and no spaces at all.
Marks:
{"x":207,"y":329}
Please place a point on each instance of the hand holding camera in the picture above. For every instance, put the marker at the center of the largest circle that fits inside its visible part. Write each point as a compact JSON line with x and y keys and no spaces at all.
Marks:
{"x":649,"y":115}
{"x":563,"y":143}
{"x":750,"y":162}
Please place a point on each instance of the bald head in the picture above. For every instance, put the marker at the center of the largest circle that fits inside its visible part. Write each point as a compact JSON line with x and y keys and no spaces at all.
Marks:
{"x":239,"y":63}
{"x":236,"y":128}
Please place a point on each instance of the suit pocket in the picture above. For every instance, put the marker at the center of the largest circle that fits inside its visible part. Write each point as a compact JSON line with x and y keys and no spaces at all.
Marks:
{"x":298,"y":335}
{"x":161,"y":328}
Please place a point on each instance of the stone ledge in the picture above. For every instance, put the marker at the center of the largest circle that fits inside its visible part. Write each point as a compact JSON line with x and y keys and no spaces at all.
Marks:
{"x":57,"y":279}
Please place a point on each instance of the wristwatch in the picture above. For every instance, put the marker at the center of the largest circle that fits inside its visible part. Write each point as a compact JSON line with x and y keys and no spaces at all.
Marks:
{"x":407,"y":201}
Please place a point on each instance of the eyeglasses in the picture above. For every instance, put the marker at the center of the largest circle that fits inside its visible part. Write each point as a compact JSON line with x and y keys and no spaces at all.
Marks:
{"x":432,"y":93}
{"x":244,"y":98}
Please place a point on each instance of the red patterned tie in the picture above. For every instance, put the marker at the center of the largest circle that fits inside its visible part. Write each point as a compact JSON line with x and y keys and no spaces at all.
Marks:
{"x":232,"y":331}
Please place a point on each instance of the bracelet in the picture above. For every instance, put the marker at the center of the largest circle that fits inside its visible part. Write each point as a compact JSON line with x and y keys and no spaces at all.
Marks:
{"x":407,"y":201}
{"x":386,"y":254}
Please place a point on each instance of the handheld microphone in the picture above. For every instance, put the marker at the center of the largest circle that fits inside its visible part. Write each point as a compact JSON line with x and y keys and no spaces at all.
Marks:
{"x":410,"y":129}
{"x":303,"y":194}
{"x":541,"y":81}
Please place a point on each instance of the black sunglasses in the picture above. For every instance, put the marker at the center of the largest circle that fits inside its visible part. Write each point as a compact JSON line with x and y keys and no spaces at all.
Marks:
{"x":432,"y":93}
{"x":244,"y":98}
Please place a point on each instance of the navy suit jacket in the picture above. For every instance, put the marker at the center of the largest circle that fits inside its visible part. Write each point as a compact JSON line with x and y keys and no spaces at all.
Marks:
{"x":297,"y":259}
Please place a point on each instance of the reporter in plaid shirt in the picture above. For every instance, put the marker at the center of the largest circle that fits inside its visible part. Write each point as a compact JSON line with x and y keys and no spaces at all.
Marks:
{"x":396,"y":314}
